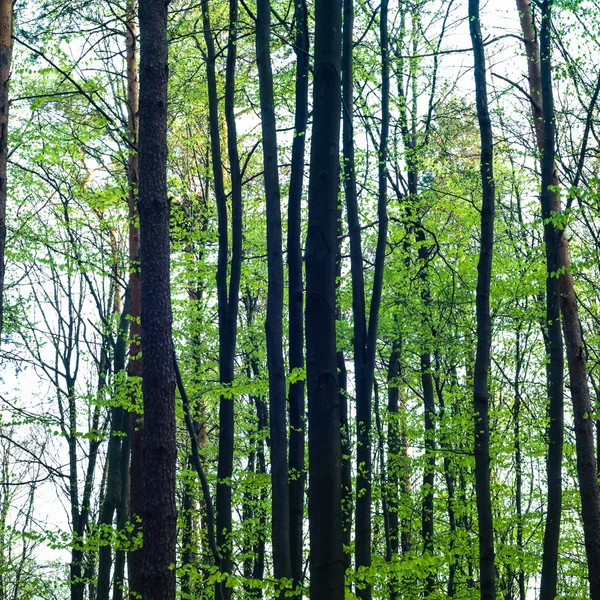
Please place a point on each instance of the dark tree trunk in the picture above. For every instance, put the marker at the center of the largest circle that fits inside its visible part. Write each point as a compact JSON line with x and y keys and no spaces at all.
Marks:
{"x":119,"y":444}
{"x":133,"y":474}
{"x":6,"y":16}
{"x":358,"y":284}
{"x":519,"y":461}
{"x":280,"y":524}
{"x":450,"y":483}
{"x":158,"y":371}
{"x":487,"y":573}
{"x":228,"y":301}
{"x":324,"y":440}
{"x":296,"y":296}
{"x":342,"y":374}
{"x":552,"y":331}
{"x":365,"y":334}
{"x":114,"y":485}
{"x":576,"y":361}
{"x":394,"y":458}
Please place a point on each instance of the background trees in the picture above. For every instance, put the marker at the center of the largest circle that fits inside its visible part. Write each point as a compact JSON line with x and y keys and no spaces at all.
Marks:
{"x":386,"y":302}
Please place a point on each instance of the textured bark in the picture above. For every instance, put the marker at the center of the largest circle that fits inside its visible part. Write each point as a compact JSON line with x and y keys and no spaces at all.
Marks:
{"x":158,"y":370}
{"x":6,"y":16}
{"x":296,"y":296}
{"x":487,"y":573}
{"x":324,"y":440}
{"x":280,"y":522}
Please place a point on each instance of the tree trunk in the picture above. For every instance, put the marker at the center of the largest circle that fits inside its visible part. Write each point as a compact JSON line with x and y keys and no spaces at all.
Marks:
{"x":487,"y":574}
{"x":6,"y":16}
{"x":324,"y":440}
{"x":114,"y":485}
{"x":228,"y":301}
{"x":365,"y":334}
{"x":296,"y":296}
{"x":133,"y":474}
{"x":280,"y":524}
{"x":158,"y":371}
{"x":553,"y":336}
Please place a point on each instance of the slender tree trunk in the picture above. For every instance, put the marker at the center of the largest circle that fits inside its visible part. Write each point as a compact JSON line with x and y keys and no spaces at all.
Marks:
{"x":296,"y":296}
{"x":363,"y":409}
{"x":134,"y":473}
{"x":576,"y":361}
{"x":228,"y":301}
{"x":519,"y":461}
{"x":344,"y":423}
{"x":365,"y":334}
{"x":409,"y":137}
{"x":114,"y":485}
{"x":560,"y":297}
{"x":6,"y":17}
{"x":487,"y":573}
{"x":324,"y":440}
{"x":553,"y":335}
{"x":280,"y":524}
{"x":450,"y":487}
{"x":158,"y":372}
{"x":394,"y":458}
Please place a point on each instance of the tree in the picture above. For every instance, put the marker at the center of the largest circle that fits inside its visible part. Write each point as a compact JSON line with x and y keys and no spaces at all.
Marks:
{"x":158,"y":370}
{"x":484,"y":324}
{"x":280,"y":526}
{"x":324,"y":440}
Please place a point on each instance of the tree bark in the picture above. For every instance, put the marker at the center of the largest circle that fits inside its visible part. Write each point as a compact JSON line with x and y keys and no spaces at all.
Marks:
{"x":280,"y":523}
{"x":324,"y":440}
{"x":487,"y":573}
{"x":158,"y":370}
{"x":296,"y":296}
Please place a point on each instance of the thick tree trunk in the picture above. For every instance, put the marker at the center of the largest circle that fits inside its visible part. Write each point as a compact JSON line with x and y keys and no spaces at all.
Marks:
{"x":280,"y":524}
{"x":324,"y":440}
{"x":487,"y":573}
{"x":296,"y":296}
{"x":6,"y":16}
{"x":158,"y":371}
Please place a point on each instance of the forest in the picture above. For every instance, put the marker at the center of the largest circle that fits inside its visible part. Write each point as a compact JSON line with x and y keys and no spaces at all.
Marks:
{"x":299,"y":299}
